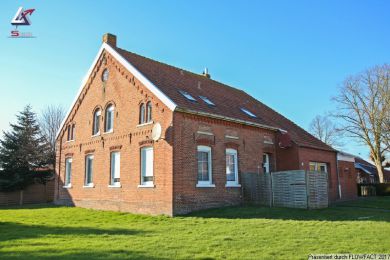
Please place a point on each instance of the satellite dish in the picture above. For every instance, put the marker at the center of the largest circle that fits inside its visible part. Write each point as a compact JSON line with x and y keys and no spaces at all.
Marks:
{"x":156,"y":132}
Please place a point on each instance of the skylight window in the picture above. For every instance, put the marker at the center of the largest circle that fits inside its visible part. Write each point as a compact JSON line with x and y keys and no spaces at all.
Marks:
{"x":187,"y":95}
{"x":249,"y":113}
{"x":207,"y":101}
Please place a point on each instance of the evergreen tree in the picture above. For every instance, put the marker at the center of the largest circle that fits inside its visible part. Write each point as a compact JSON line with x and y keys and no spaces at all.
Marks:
{"x":23,"y":153}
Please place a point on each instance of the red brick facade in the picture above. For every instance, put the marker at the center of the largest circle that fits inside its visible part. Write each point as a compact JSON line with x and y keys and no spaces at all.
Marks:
{"x":175,"y":154}
{"x":126,"y":93}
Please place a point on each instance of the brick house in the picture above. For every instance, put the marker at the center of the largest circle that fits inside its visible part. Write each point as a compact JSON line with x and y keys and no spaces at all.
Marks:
{"x":211,"y":134}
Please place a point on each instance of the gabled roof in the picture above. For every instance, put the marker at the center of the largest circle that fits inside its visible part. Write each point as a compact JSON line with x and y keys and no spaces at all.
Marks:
{"x":228,"y":100}
{"x":165,"y":81}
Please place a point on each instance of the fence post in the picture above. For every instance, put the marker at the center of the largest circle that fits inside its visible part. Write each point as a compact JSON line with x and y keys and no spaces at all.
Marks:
{"x":21,"y":198}
{"x":307,"y":190}
{"x":271,"y":190}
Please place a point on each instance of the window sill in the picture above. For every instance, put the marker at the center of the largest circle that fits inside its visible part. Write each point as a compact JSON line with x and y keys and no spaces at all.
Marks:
{"x":146,"y":186}
{"x":96,"y":135}
{"x":115,"y":186}
{"x":69,"y":186}
{"x":233,"y":185}
{"x":91,"y":185}
{"x":108,"y":132}
{"x":145,"y":124}
{"x":209,"y":185}
{"x":69,"y":141}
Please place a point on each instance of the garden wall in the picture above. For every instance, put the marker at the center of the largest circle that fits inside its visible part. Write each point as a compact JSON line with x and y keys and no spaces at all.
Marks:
{"x":35,"y":193}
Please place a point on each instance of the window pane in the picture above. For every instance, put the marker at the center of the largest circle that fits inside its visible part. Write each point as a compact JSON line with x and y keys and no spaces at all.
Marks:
{"x":147,"y":164}
{"x":203,"y":166}
{"x":115,"y":167}
{"x":68,"y":171}
{"x":142,"y":114}
{"x":96,"y":122}
{"x":88,"y":174}
{"x":149,"y":112}
{"x":230,"y":167}
{"x":110,"y":118}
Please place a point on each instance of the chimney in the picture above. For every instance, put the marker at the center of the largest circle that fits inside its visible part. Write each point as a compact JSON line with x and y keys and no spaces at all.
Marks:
{"x":110,"y":39}
{"x":206,"y":73}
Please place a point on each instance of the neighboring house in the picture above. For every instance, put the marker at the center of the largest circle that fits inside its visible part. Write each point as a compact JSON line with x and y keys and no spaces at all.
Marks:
{"x":367,"y":172}
{"x":211,"y":135}
{"x":347,"y":176}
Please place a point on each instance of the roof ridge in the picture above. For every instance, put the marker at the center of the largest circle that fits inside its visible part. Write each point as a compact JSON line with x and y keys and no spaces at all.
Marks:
{"x":185,"y":70}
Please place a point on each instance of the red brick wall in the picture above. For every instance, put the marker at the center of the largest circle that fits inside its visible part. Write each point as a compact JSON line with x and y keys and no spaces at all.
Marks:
{"x":250,"y":147}
{"x":307,"y":155}
{"x":126,"y":93}
{"x":347,"y":176}
{"x":287,"y":158}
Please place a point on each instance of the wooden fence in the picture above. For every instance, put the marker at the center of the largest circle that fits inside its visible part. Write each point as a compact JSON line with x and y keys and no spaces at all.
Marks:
{"x":35,"y":193}
{"x":292,"y":189}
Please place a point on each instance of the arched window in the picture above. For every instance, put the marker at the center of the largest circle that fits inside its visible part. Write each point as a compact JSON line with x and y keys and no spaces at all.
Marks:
{"x":149,"y":111}
{"x":96,"y":122}
{"x":109,"y":121}
{"x":142,"y":113}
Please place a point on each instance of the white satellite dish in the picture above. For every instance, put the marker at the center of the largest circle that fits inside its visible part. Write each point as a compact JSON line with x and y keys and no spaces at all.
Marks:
{"x":156,"y":132}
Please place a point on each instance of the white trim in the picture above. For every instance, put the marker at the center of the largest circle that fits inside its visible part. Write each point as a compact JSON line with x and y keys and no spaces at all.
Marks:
{"x":209,"y":183}
{"x":156,"y":91}
{"x":231,"y":185}
{"x":204,"y":133}
{"x":229,"y":119}
{"x":230,"y":151}
{"x":69,"y":186}
{"x":145,"y":124}
{"x":232,"y":137}
{"x":89,"y":185}
{"x":97,"y":135}
{"x":205,"y":185}
{"x":345,"y":157}
{"x":146,"y":186}
{"x":116,"y":185}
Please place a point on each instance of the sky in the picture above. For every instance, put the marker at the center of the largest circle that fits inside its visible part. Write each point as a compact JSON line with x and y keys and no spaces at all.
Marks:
{"x":291,"y":55}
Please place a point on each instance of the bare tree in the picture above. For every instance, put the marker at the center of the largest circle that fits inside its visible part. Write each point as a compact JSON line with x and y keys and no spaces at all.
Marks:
{"x":363,"y":107}
{"x":325,"y":130}
{"x":50,"y":121}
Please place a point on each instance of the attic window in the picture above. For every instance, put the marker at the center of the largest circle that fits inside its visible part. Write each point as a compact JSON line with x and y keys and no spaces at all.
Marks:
{"x":249,"y":113}
{"x":207,"y":101}
{"x":105,"y":75}
{"x":187,"y":95}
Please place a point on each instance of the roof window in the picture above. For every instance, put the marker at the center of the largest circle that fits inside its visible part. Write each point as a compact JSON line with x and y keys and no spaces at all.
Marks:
{"x":249,"y":113}
{"x":207,"y":101}
{"x":187,"y":95}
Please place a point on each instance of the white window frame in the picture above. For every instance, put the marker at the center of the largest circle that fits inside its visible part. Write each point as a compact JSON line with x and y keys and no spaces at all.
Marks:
{"x":317,"y":166}
{"x":266,"y":163}
{"x":144,"y":167}
{"x":235,"y":183}
{"x":115,"y":169}
{"x":88,"y":184}
{"x":96,"y":122}
{"x":68,"y":173}
{"x":109,"y":109}
{"x":209,"y":183}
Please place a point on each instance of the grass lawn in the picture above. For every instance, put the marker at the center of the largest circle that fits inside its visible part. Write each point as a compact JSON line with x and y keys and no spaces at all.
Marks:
{"x":230,"y":233}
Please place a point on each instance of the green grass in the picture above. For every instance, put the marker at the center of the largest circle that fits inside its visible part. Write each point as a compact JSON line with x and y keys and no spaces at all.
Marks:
{"x":39,"y":232}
